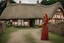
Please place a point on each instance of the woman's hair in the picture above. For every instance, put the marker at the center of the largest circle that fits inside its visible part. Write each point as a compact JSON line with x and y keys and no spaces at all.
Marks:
{"x":46,"y":16}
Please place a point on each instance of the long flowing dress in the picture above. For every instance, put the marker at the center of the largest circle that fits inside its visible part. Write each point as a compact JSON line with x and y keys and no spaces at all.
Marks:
{"x":44,"y":35}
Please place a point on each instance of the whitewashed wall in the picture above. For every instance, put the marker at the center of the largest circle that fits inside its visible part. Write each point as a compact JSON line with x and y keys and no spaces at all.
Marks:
{"x":38,"y":22}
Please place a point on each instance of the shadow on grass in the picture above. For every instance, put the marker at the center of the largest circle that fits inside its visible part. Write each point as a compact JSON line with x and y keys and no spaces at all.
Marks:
{"x":29,"y":38}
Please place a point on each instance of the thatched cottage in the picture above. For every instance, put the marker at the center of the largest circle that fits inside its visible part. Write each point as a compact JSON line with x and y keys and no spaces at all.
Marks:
{"x":30,"y":15}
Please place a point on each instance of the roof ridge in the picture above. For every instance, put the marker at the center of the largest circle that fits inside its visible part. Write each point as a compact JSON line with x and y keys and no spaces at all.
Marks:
{"x":13,"y":4}
{"x":57,"y":3}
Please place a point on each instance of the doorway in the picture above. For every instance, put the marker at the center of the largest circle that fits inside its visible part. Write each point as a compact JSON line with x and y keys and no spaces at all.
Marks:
{"x":32,"y":22}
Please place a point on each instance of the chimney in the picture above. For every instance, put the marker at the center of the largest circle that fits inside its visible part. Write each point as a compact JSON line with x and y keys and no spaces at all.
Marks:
{"x":37,"y":1}
{"x":19,"y":2}
{"x":8,"y":2}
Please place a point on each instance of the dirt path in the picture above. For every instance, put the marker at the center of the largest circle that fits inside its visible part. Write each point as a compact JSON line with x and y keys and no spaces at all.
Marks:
{"x":18,"y":37}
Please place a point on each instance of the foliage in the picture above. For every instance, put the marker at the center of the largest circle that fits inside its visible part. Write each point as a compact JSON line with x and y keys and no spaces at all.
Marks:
{"x":12,"y":1}
{"x":62,"y":2}
{"x":3,"y":5}
{"x":49,"y":2}
{"x":45,"y":2}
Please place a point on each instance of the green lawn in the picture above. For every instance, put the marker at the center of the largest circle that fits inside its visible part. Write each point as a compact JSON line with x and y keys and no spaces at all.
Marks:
{"x":55,"y":38}
{"x":5,"y":36}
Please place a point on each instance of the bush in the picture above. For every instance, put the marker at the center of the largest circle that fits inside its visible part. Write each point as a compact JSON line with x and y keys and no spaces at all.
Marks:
{"x":57,"y":28}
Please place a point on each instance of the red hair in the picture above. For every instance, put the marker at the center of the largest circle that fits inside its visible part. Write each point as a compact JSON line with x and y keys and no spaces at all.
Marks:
{"x":46,"y":17}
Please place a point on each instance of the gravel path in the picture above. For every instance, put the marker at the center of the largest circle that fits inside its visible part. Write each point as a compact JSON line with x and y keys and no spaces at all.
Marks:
{"x":18,"y":36}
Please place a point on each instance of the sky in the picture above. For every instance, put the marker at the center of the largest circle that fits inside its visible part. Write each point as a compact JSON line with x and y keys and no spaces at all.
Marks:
{"x":27,"y":1}
{"x":0,"y":0}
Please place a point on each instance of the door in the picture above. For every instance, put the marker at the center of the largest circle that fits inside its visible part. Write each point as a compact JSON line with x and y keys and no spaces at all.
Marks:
{"x":32,"y":22}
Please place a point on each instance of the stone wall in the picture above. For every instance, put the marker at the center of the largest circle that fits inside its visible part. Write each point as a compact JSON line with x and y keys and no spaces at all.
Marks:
{"x":57,"y":28}
{"x":2,"y":26}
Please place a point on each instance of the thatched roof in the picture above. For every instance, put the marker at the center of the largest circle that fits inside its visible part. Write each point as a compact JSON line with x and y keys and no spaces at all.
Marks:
{"x":29,"y":11}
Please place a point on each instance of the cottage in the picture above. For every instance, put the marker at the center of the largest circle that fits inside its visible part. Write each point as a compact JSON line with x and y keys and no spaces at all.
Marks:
{"x":29,"y":15}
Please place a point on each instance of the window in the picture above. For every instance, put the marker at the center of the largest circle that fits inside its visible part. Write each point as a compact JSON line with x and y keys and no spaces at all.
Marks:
{"x":41,"y":21}
{"x":22,"y":22}
{"x":58,"y":10}
{"x":19,"y":22}
{"x":38,"y":22}
{"x":15,"y":23}
{"x":25,"y":22}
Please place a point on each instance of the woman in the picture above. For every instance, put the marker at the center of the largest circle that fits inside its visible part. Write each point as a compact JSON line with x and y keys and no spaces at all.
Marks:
{"x":44,"y":35}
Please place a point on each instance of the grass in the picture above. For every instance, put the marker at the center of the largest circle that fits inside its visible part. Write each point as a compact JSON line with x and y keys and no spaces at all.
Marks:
{"x":6,"y":35}
{"x":29,"y":38}
{"x":55,"y":38}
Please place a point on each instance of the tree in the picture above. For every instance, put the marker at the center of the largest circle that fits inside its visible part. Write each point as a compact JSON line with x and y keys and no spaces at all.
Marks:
{"x":48,"y":2}
{"x":62,"y":2}
{"x":12,"y":1}
{"x":3,"y":4}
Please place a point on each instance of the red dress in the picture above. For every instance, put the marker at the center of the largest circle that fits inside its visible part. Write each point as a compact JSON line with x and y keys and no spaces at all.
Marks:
{"x":44,"y":35}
